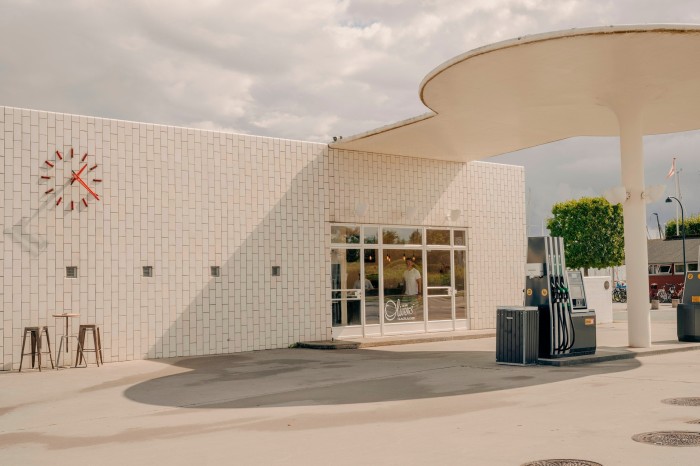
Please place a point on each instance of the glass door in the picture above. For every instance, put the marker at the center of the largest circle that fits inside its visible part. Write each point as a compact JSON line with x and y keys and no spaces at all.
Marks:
{"x":440,"y":289}
{"x":403,"y":289}
{"x":460,"y":276}
{"x":346,"y":290}
{"x":371,"y":291}
{"x":397,"y":279}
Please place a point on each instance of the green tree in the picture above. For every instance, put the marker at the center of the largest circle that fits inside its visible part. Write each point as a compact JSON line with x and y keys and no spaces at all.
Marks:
{"x":692,"y":227}
{"x":593,"y":232}
{"x":390,"y":237}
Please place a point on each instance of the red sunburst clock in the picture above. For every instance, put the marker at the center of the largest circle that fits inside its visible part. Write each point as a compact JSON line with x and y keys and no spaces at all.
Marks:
{"x":71,"y":180}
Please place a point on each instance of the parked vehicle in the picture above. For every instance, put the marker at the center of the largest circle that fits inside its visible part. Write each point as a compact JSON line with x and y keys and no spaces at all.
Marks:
{"x":663,"y":295}
{"x":654,"y":292}
{"x":619,"y":294}
{"x":666,"y":292}
{"x":675,"y":291}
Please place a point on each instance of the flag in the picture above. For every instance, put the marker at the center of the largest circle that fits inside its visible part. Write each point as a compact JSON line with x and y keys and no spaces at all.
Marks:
{"x":672,"y":171}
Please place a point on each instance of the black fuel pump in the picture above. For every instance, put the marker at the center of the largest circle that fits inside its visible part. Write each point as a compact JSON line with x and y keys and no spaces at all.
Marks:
{"x":563,"y":331}
{"x":688,"y":312}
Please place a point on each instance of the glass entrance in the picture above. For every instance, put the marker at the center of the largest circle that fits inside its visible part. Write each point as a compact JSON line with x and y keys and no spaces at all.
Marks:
{"x":389,"y":280}
{"x":440,"y":290}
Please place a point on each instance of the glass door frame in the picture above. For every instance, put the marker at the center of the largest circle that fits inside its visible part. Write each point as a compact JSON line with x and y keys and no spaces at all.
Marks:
{"x":363,"y":329}
{"x":440,"y":324}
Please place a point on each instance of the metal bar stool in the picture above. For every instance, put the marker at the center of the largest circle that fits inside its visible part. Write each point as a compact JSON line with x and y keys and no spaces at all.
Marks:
{"x":35,"y":335}
{"x":96,"y":348}
{"x":65,"y":338}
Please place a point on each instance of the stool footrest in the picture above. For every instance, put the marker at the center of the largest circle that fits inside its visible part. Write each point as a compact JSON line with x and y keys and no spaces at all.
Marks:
{"x":96,"y":346}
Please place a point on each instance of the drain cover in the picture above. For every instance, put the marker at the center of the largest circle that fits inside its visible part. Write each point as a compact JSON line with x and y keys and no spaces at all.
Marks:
{"x":562,"y":463}
{"x":672,"y":438}
{"x":692,"y":401}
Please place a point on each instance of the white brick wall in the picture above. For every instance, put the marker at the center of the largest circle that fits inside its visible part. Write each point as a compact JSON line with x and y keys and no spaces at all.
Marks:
{"x":182,"y":200}
{"x":490,"y":196}
{"x":497,"y":240}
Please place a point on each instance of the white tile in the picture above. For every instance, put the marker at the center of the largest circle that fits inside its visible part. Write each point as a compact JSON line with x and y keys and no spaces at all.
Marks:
{"x":183,"y":200}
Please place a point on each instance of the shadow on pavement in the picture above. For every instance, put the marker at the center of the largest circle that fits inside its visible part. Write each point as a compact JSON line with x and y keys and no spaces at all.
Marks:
{"x":666,"y":342}
{"x":302,"y":377}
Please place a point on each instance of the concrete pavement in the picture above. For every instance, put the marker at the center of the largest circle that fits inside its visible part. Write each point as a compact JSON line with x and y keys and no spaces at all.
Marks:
{"x":425,"y":403}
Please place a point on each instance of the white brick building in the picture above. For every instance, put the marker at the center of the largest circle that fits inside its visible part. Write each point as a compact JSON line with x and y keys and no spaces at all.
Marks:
{"x":270,"y":213}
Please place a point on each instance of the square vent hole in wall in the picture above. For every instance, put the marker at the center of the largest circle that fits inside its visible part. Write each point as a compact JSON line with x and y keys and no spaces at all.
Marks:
{"x":147,"y":270}
{"x":215,"y":271}
{"x":276,"y":272}
{"x":71,"y":272}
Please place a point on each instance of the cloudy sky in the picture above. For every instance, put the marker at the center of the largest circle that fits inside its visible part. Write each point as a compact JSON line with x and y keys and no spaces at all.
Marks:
{"x":309,"y":70}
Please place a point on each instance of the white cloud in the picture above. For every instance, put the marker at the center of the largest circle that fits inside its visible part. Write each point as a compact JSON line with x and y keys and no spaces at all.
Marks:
{"x":308,"y":69}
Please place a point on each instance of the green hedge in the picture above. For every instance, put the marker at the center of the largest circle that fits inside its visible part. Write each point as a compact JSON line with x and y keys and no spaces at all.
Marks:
{"x":692,"y":227}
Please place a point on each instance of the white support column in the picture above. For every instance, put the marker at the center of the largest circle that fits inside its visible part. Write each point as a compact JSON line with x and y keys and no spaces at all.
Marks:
{"x":636,"y":255}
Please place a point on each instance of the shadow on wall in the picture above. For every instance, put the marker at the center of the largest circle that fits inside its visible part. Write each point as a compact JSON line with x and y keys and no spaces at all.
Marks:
{"x":279,"y":199}
{"x":249,"y":309}
{"x":242,"y":203}
{"x":311,"y":377}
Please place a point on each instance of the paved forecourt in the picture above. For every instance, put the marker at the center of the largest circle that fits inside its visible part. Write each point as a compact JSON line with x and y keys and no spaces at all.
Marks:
{"x":439,"y":402}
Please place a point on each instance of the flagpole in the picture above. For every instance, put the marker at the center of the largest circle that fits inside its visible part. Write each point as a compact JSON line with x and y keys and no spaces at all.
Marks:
{"x":678,"y":195}
{"x":674,"y":172}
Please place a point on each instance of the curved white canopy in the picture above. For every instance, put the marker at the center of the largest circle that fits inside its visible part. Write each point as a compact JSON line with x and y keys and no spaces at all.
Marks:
{"x":542,"y":88}
{"x":607,"y":81}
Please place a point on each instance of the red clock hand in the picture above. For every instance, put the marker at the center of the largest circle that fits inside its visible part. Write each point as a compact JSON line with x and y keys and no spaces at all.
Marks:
{"x":77,"y":177}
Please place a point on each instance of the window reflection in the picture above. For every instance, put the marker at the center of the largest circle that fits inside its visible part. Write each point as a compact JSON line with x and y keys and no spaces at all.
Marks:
{"x":460,"y":238}
{"x":341,"y":234}
{"x":402,"y":236}
{"x":439,"y":276}
{"x":438,"y":237}
{"x":371,"y":287}
{"x":403,"y":300}
{"x":371,"y":235}
{"x":460,"y":284}
{"x":439,"y":268}
{"x":692,"y":267}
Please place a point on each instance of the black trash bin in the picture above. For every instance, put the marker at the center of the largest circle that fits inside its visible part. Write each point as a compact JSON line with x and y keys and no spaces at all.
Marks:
{"x":517,"y":332}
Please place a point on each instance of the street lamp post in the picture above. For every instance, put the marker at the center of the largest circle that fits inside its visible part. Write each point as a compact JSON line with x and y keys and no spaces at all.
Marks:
{"x":685,"y":264}
{"x":658,"y":225}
